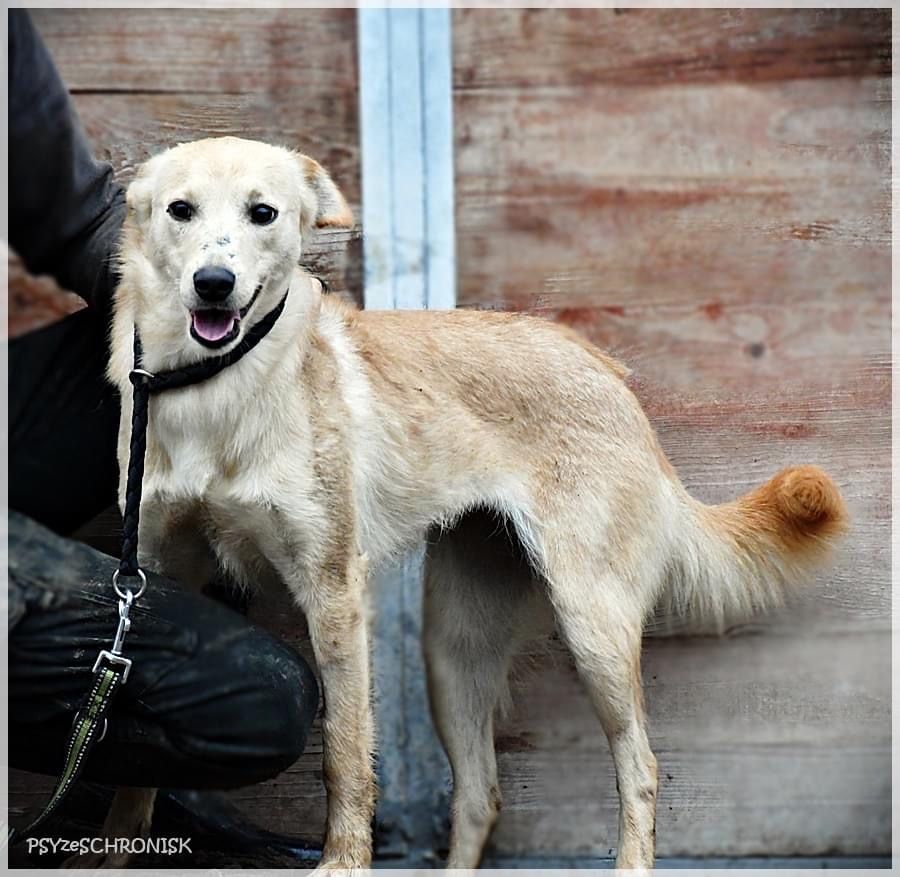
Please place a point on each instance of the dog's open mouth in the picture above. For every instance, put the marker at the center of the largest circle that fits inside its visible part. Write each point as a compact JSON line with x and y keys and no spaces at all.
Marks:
{"x":215,"y":327}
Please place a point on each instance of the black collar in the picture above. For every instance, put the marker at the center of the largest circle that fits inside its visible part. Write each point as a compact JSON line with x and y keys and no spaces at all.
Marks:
{"x":206,"y":368}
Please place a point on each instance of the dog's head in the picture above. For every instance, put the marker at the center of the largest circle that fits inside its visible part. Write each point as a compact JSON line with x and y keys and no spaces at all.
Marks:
{"x":215,"y":229}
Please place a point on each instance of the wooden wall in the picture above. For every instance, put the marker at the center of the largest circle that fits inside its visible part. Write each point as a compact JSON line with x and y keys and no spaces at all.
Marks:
{"x":706,"y":193}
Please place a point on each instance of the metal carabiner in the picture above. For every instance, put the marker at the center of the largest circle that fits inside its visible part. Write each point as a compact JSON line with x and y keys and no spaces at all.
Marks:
{"x":113,"y":655}
{"x":124,"y":622}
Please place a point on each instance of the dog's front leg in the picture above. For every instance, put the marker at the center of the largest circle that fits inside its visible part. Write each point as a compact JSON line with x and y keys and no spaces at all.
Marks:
{"x":129,"y":818}
{"x":334,"y":604}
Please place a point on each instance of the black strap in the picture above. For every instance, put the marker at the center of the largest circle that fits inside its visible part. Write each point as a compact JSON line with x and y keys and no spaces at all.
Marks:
{"x":88,"y":728}
{"x":111,"y":669}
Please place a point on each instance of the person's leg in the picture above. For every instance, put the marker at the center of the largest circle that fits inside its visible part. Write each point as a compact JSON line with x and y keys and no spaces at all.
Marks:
{"x":211,"y":701}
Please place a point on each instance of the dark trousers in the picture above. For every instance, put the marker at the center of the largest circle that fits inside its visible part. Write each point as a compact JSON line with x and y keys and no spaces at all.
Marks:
{"x":211,"y":702}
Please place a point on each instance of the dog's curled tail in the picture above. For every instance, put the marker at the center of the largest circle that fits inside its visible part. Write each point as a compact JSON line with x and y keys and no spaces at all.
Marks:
{"x":731,"y":561}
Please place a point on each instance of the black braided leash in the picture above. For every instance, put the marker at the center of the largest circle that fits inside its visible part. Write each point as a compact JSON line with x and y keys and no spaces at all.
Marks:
{"x":111,"y":669}
{"x":146,"y":384}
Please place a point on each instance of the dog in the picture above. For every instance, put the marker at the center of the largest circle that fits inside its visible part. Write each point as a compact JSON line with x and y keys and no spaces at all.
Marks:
{"x":511,"y":444}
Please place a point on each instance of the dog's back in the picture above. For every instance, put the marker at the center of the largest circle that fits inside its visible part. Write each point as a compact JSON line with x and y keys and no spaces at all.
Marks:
{"x":493,"y":391}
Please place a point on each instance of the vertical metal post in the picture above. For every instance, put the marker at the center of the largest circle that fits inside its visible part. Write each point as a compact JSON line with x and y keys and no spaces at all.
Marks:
{"x":406,"y":125}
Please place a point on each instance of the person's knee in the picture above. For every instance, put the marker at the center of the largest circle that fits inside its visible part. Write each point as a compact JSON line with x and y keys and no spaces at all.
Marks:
{"x":288,"y":706}
{"x":257,"y":714}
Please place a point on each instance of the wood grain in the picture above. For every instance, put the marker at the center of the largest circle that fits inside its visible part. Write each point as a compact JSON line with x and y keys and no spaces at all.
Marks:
{"x":712,"y":194}
{"x":306,"y":54}
{"x":552,"y":48}
{"x":764,"y":743}
{"x":706,"y":193}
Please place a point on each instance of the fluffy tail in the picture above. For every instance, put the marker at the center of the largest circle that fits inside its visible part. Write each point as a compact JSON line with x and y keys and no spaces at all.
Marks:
{"x":734,"y":560}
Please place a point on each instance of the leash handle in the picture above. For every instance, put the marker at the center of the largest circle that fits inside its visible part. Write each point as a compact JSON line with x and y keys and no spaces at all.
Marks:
{"x":88,"y":728}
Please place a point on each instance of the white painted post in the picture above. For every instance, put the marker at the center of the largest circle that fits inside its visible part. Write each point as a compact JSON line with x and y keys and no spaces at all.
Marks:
{"x":406,"y":127}
{"x":406,"y":132}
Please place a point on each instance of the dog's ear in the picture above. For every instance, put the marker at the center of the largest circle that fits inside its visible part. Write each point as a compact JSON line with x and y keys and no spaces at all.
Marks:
{"x":330,"y":209}
{"x":139,"y":196}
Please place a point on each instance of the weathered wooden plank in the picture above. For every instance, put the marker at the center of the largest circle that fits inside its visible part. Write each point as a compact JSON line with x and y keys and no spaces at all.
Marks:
{"x":761,"y":348}
{"x":643,"y":195}
{"x":549,"y":48}
{"x":34,"y":301}
{"x":303,"y":54}
{"x":127,"y":129}
{"x":730,"y":241}
{"x":760,"y":749}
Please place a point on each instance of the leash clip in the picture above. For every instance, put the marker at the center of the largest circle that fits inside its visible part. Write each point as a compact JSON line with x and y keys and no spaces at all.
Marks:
{"x":113,"y":655}
{"x":124,"y":623}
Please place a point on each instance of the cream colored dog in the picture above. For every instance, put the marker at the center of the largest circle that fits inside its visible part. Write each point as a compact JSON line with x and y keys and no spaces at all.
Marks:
{"x":347,"y":436}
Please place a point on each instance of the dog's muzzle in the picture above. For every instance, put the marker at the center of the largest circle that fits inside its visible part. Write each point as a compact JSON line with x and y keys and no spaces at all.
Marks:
{"x":215,"y":327}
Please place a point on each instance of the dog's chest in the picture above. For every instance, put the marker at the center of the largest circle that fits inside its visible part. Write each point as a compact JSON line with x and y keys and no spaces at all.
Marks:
{"x":254,"y":539}
{"x":249,"y":539}
{"x":255,"y":511}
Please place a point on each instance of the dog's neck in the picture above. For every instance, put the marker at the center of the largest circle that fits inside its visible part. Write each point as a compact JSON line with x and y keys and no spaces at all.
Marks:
{"x":246,"y":397}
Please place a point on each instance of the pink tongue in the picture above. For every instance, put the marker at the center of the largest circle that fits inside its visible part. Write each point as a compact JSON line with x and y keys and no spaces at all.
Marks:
{"x":213,"y":325}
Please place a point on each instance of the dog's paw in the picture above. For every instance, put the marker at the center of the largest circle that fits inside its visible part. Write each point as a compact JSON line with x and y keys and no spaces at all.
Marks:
{"x":339,"y":869}
{"x":97,"y":861}
{"x":343,"y":865}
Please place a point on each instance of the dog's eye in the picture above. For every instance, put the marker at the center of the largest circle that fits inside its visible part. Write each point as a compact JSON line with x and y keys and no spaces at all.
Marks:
{"x":180,"y":210}
{"x":262,"y":214}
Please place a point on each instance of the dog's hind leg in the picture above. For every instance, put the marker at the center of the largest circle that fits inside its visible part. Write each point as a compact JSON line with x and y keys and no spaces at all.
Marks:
{"x":479,"y":600}
{"x":600,"y":619}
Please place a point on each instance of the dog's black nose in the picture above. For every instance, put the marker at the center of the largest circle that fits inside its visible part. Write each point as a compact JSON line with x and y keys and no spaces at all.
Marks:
{"x":213,"y":284}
